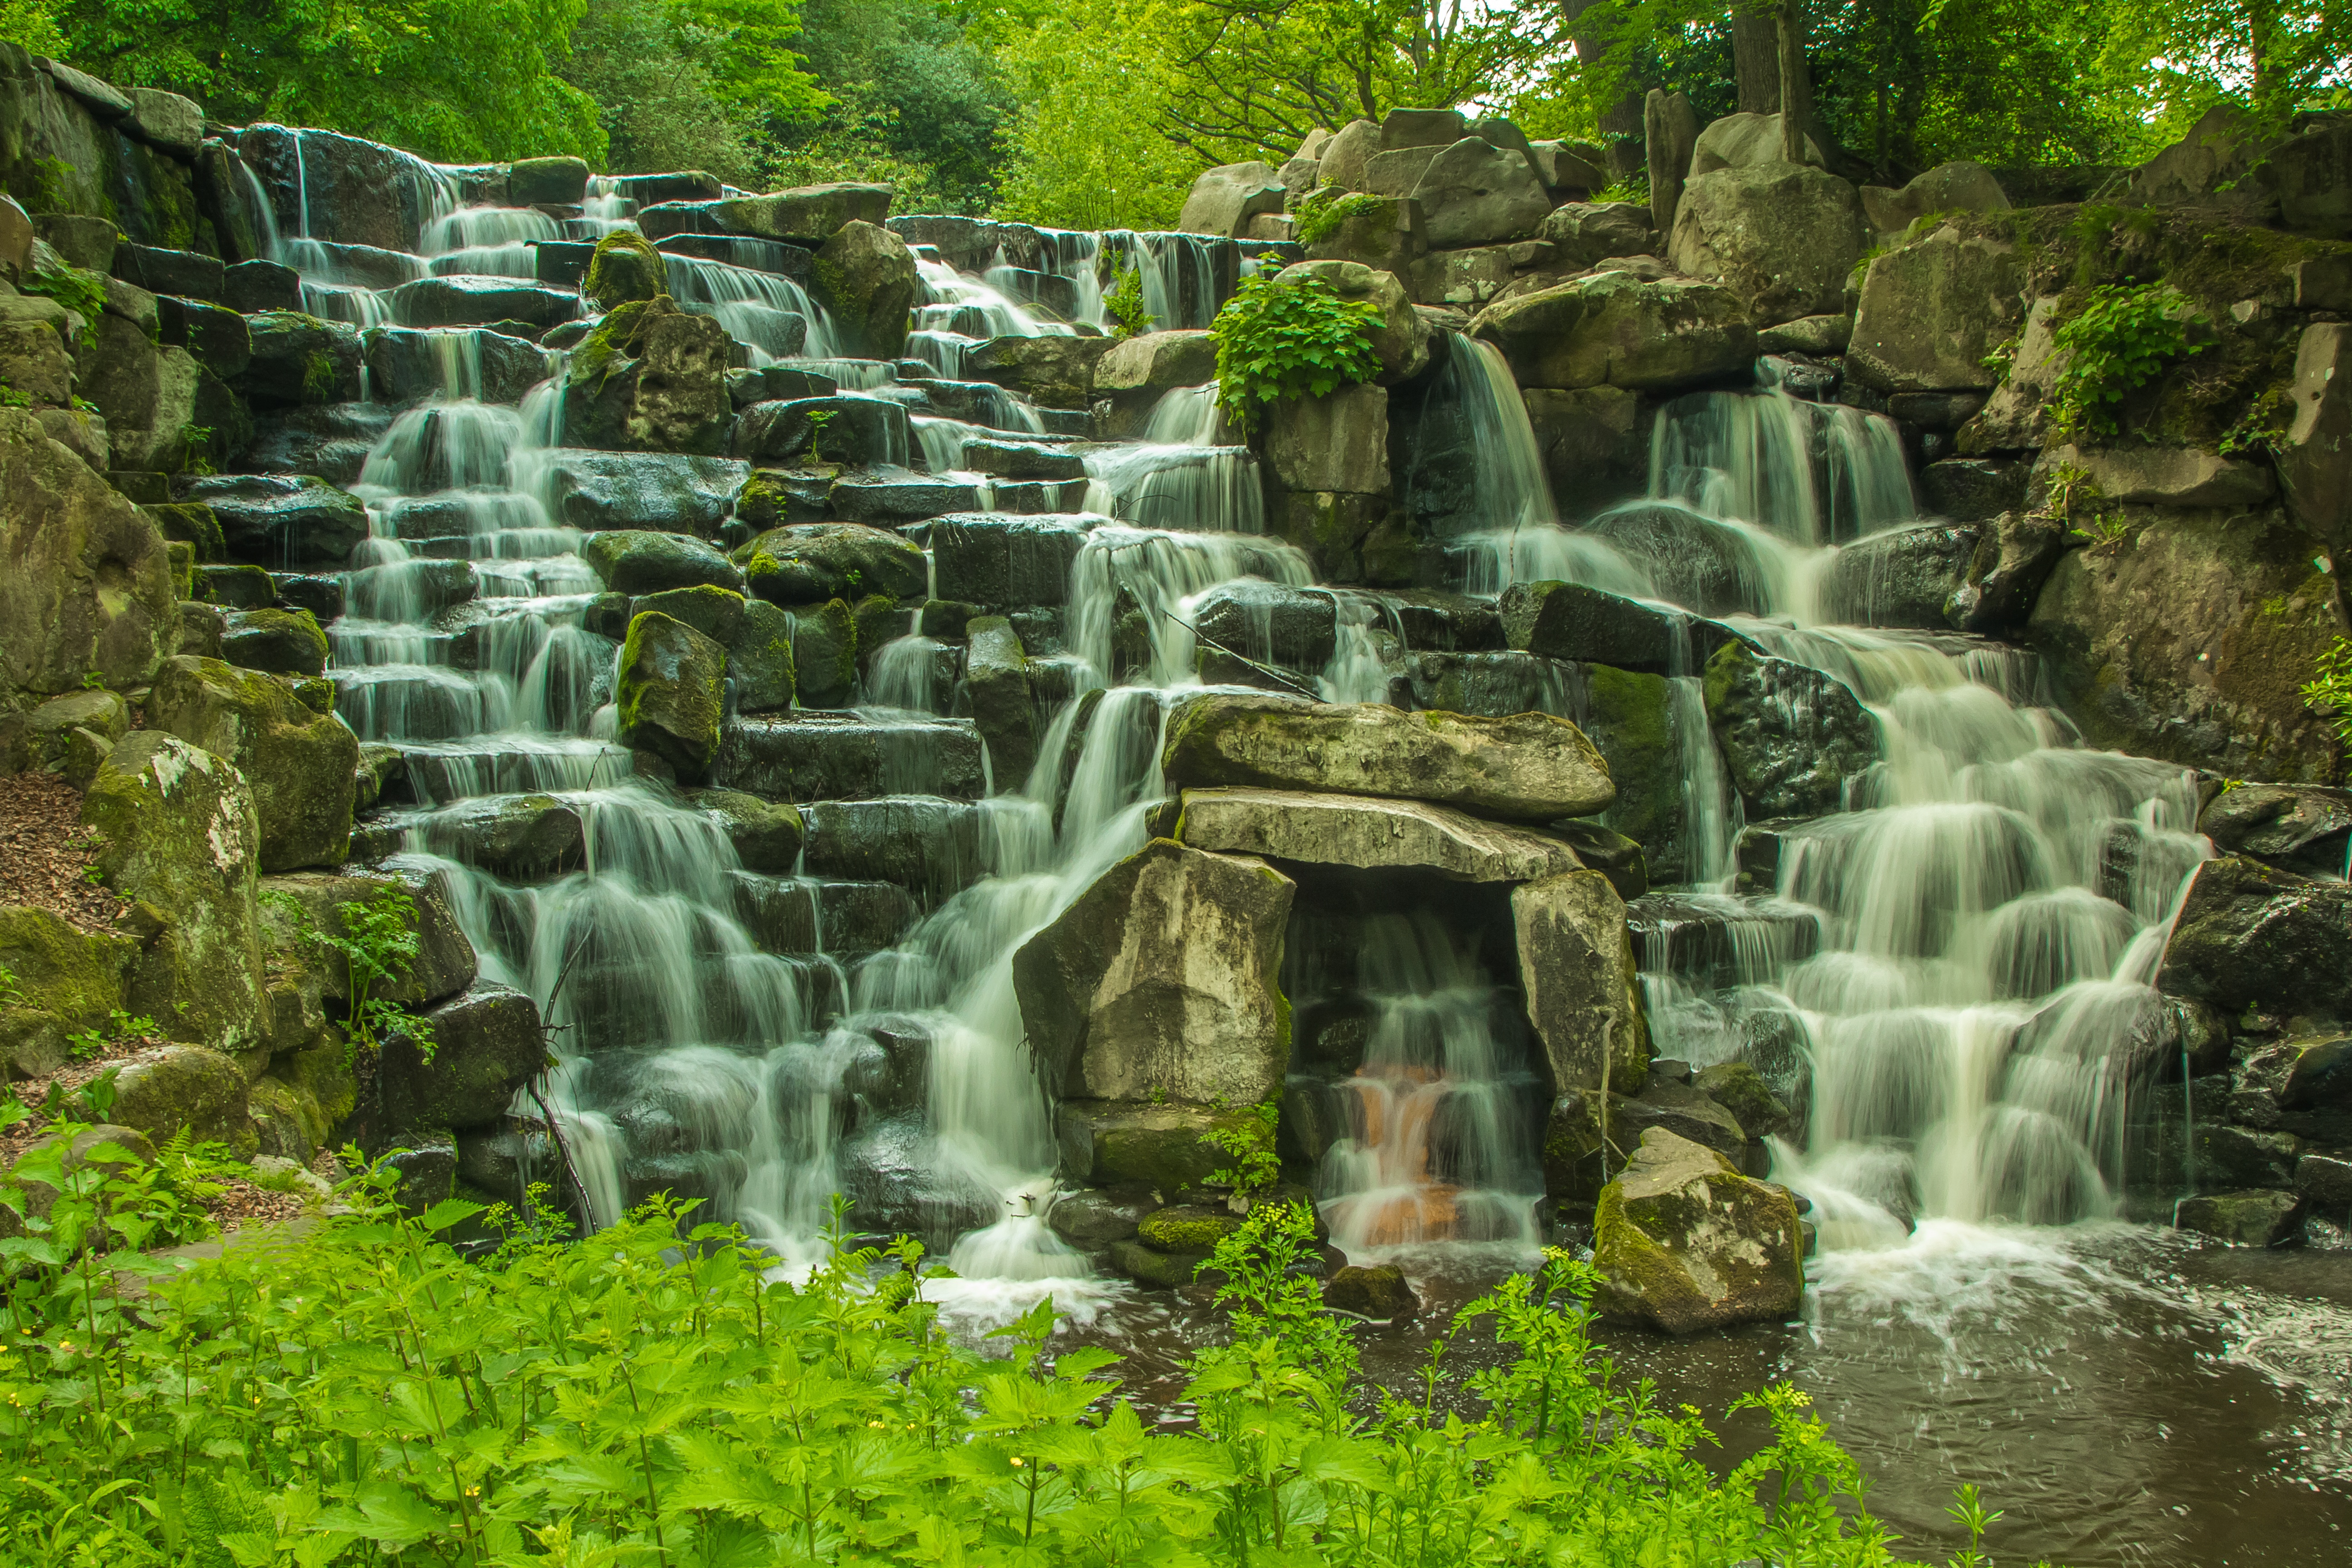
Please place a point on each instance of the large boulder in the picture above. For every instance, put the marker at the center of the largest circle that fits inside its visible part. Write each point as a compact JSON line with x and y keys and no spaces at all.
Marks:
{"x":637,"y":562}
{"x":179,"y":836}
{"x":1003,"y":698}
{"x":865,"y":276}
{"x":1577,"y":972}
{"x":87,"y":585}
{"x":281,"y":520}
{"x":2253,"y":939}
{"x":1474,"y":193}
{"x":1163,"y":979}
{"x":65,"y":979}
{"x":1619,"y":329}
{"x":2315,"y":457}
{"x":2165,"y":476}
{"x":1684,"y":1242}
{"x":1156,"y":362}
{"x":672,"y":692}
{"x":1345,"y":155}
{"x":664,"y":491}
{"x":2189,"y":639}
{"x":1401,"y":343}
{"x":1585,"y":233}
{"x":2295,"y":827}
{"x":299,"y":360}
{"x":1747,"y":141}
{"x":487,"y":1045}
{"x":625,"y":267}
{"x":1947,"y":188}
{"x":1529,"y":766}
{"x":1223,"y":200}
{"x":1160,"y":1146}
{"x":1932,"y":310}
{"x":1900,"y":577}
{"x":301,"y":763}
{"x":802,"y":431}
{"x":2015,"y":553}
{"x":806,"y":215}
{"x":1367,"y":833}
{"x":650,"y":378}
{"x":1051,"y":372}
{"x":1793,"y":736}
{"x":190,"y":1089}
{"x":2311,"y":170}
{"x":2218,"y":167}
{"x":808,"y":564}
{"x":1574,"y":621}
{"x":1337,"y":443}
{"x":1780,"y":236}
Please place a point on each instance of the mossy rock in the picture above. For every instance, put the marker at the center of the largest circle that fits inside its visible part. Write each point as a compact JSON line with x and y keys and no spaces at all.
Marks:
{"x":766,"y":834}
{"x":277,"y":642}
{"x":1149,"y":1266}
{"x":1187,"y":1227}
{"x":1684,"y":1242}
{"x":301,"y":763}
{"x":65,"y":979}
{"x":625,"y":269}
{"x":190,"y":1086}
{"x":671,"y":693}
{"x":824,"y":655}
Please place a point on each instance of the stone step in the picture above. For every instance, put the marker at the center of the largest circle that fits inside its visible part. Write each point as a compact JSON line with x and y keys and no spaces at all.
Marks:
{"x":805,"y":757}
{"x":798,"y":915}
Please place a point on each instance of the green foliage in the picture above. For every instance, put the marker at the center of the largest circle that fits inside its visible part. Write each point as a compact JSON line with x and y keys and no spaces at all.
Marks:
{"x":83,"y":293}
{"x":88,"y":1045}
{"x":364,"y":1394}
{"x":1321,"y":214}
{"x":818,"y":419}
{"x":690,"y":84}
{"x":1289,"y":335}
{"x":12,"y":990}
{"x":1093,"y":142}
{"x":2262,"y":428}
{"x":1123,"y":302}
{"x":378,"y":943}
{"x":15,"y":396}
{"x":2329,"y":689}
{"x":1256,"y":1167}
{"x":2123,"y":337}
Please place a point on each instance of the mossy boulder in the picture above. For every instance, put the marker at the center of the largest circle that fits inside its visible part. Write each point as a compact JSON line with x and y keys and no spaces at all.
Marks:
{"x":65,"y":979}
{"x":1741,"y":1089}
{"x":1379,"y":1293}
{"x":1187,"y":1227}
{"x":1164,"y":977}
{"x":520,"y":837}
{"x":865,"y":276}
{"x":301,"y":763}
{"x":766,"y":834}
{"x":180,"y":834}
{"x":1792,"y":736}
{"x":1621,"y":329}
{"x":1153,"y":1269}
{"x":281,"y":642}
{"x":487,"y":1045}
{"x":672,"y":693}
{"x":2249,"y":938}
{"x":824,"y":655}
{"x":87,"y":584}
{"x":1684,"y":1242}
{"x":638,"y":561}
{"x":760,"y":660}
{"x":2265,"y":1216}
{"x":650,"y":377}
{"x":444,"y":965}
{"x":625,"y":267}
{"x":302,"y":360}
{"x":1156,"y":1146}
{"x":1528,"y":766}
{"x":193,"y":1087}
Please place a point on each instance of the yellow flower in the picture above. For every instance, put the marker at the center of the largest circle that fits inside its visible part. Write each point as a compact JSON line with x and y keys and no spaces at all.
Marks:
{"x":1016,"y":1464}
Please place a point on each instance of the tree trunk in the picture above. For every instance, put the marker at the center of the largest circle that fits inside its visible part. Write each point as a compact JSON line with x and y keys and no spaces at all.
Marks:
{"x":1756,"y":60}
{"x":1796,"y":100}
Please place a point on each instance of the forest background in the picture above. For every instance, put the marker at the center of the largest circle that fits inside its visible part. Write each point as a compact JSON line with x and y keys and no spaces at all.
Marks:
{"x":1098,"y":113}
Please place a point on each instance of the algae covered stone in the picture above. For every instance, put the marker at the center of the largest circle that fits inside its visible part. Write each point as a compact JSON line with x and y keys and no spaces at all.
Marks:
{"x":301,"y":765}
{"x":672,"y":692}
{"x":190,"y":1087}
{"x":1577,"y":970}
{"x":1793,"y":736}
{"x":623,"y":268}
{"x":1684,"y":1242}
{"x":1528,"y":766}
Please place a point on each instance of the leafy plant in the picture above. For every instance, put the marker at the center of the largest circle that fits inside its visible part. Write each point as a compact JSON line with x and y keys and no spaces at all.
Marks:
{"x":1251,"y":1145}
{"x":12,"y":990}
{"x":1124,"y":303}
{"x":379,"y":946}
{"x":818,"y":419}
{"x":196,"y":448}
{"x":2262,"y":426}
{"x":83,"y":293}
{"x":88,"y":1045}
{"x":2329,"y":689}
{"x":2123,"y":339}
{"x":1290,"y":335}
{"x":1320,"y":212}
{"x":15,"y":396}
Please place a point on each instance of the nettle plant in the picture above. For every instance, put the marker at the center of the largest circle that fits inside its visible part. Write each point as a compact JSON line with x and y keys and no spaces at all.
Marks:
{"x":1290,"y":335}
{"x":2123,"y":337}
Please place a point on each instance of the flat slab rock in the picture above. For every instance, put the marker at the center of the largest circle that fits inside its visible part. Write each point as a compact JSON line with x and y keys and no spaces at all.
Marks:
{"x":1367,"y":833}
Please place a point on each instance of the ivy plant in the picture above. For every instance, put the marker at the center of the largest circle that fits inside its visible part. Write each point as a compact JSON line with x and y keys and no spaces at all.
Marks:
{"x":1290,"y":335}
{"x":2123,"y":337}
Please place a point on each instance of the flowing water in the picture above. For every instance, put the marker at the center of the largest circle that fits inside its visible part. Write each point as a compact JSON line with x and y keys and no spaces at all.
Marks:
{"x":1950,"y":967}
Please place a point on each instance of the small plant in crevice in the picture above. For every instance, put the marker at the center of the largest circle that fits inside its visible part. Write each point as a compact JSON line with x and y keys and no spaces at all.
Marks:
{"x":379,"y":947}
{"x":88,"y":1045}
{"x":818,"y":419}
{"x":1250,"y":1144}
{"x":1123,"y":303}
{"x":83,"y":293}
{"x":2329,"y":689}
{"x":1290,"y":335}
{"x":1321,"y":214}
{"x":2262,"y":428}
{"x":2123,"y":337}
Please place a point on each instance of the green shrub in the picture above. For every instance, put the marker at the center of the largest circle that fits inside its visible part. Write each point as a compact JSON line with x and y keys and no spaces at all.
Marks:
{"x":1124,"y":303}
{"x":2329,"y":689}
{"x":378,"y":943}
{"x":83,"y":293}
{"x":364,"y":1394}
{"x":2123,"y":339}
{"x":1290,"y":335}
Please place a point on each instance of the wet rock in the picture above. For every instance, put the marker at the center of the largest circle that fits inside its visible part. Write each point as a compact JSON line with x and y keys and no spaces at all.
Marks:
{"x":1617,"y":329}
{"x":1005,"y":562}
{"x":809,"y":757}
{"x":865,"y":276}
{"x":1685,"y":1243}
{"x":1339,"y":443}
{"x":2188,"y":640}
{"x":671,"y":691}
{"x":824,"y":655}
{"x":1004,"y":704}
{"x":669,"y":492}
{"x":804,"y":214}
{"x":1154,"y":364}
{"x":319,"y":596}
{"x":1792,"y":736}
{"x":1093,"y":1219}
{"x":1159,"y":1148}
{"x":1781,"y":237}
{"x":1529,"y":766}
{"x":1053,"y":373}
{"x":217,"y":338}
{"x":638,"y":563}
{"x":331,"y":442}
{"x":300,"y":763}
{"x":1367,"y":833}
{"x":1697,"y":561}
{"x":1571,"y":621}
{"x":2301,"y":828}
{"x":889,"y":497}
{"x":299,"y":360}
{"x":1741,"y":1089}
{"x":1186,"y":1229}
{"x":2014,"y":555}
{"x":1681,"y":1109}
{"x":444,"y":965}
{"x":1576,"y":969}
{"x":463,"y":301}
{"x":1164,"y":977}
{"x":625,"y":267}
{"x":650,"y":378}
{"x":811,"y":563}
{"x":282,"y":520}
{"x":2324,"y":1181}
{"x":89,"y":586}
{"x":2262,"y":1218}
{"x":282,"y":642}
{"x":487,"y":1045}
{"x":1901,"y":576}
{"x":1151,"y":1267}
{"x":191,"y":1088}
{"x":1819,"y":337}
{"x":2314,"y":457}
{"x":1379,"y":1293}
{"x":520,"y":837}
{"x":2250,"y":938}
{"x":850,"y":430}
{"x":766,"y":834}
{"x":1932,"y":310}
{"x":406,"y":365}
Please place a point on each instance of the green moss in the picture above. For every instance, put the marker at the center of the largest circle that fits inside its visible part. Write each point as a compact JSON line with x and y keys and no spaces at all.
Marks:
{"x":625,"y":268}
{"x":317,"y":376}
{"x":1186,"y":1229}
